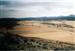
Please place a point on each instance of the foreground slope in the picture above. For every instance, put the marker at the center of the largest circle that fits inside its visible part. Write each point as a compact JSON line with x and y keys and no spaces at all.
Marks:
{"x":16,"y":42}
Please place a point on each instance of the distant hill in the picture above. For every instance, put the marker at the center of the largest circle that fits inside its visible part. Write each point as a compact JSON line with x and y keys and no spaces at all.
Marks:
{"x":71,"y":17}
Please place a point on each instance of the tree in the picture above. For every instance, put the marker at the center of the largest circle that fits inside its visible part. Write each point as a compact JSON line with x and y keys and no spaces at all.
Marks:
{"x":8,"y":23}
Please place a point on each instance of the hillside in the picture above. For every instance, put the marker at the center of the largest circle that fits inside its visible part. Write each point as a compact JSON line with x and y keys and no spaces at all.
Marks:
{"x":46,"y":30}
{"x":37,"y":35}
{"x":16,"y":42}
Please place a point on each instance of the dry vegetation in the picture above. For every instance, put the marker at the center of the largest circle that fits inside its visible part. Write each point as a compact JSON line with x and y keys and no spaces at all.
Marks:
{"x":47,"y":34}
{"x":56,"y":30}
{"x":16,"y":42}
{"x":37,"y":35}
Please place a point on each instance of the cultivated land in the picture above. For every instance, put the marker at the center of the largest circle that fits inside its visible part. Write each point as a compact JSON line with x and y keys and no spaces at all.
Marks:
{"x":63,"y":31}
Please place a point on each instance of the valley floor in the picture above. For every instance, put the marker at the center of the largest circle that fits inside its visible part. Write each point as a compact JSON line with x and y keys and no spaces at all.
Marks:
{"x":49,"y":30}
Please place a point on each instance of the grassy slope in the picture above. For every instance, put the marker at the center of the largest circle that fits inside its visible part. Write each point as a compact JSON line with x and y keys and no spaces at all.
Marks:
{"x":16,"y":42}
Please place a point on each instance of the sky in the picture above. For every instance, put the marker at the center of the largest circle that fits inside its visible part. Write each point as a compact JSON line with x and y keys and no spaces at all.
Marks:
{"x":36,"y":8}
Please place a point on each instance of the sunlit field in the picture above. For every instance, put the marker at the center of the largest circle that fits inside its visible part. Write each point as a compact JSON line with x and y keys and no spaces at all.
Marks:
{"x":56,"y":30}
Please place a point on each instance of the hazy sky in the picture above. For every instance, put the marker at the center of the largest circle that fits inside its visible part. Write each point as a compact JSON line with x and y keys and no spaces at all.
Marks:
{"x":33,"y":8}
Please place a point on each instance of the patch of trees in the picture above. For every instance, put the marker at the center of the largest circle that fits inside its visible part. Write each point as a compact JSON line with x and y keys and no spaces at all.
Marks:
{"x":8,"y":23}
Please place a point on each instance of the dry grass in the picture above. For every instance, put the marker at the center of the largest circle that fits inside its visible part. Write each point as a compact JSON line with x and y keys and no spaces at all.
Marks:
{"x":37,"y":29}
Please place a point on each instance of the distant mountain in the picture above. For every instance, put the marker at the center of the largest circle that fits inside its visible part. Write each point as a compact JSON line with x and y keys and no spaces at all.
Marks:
{"x":71,"y":17}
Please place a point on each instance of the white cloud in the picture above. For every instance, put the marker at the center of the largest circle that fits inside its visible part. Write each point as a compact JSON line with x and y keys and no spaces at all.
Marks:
{"x":29,"y":8}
